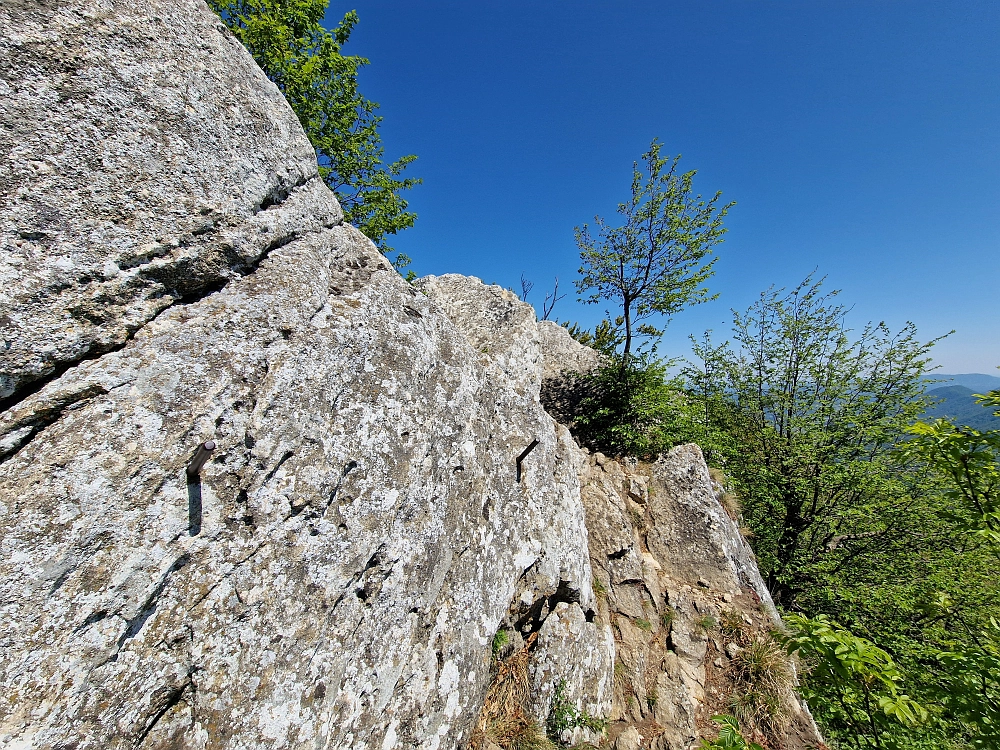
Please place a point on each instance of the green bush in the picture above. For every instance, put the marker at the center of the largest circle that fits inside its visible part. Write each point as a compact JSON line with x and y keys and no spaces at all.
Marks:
{"x":563,"y":715}
{"x":729,"y":736}
{"x":632,"y":409}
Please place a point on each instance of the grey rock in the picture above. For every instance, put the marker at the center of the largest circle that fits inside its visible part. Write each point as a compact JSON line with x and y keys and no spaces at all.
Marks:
{"x":132,"y":181}
{"x":563,"y":353}
{"x":173,"y":271}
{"x":692,"y":535}
{"x":664,"y":565}
{"x":565,"y":360}
{"x":628,"y":740}
{"x":568,"y":652}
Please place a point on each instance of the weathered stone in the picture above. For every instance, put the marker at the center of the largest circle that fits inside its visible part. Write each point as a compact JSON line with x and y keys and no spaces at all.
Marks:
{"x":335,"y":574}
{"x":563,"y":353}
{"x":147,"y":161}
{"x":566,"y":360}
{"x":387,"y":490}
{"x":688,"y":555}
{"x":567,"y":653}
{"x":630,"y":739}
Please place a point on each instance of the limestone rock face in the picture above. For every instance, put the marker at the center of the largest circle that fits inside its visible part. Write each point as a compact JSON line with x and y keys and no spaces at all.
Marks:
{"x":569,"y":648}
{"x":147,"y":160}
{"x":675,"y":575}
{"x":565,"y":360}
{"x":387,"y":491}
{"x":563,"y":353}
{"x":174,"y":272}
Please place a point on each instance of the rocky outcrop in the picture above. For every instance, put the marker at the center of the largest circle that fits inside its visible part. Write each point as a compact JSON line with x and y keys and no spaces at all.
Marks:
{"x":173,"y":273}
{"x":147,"y":161}
{"x":565,"y":361}
{"x":387,"y":493}
{"x":681,"y":590}
{"x":563,"y":354}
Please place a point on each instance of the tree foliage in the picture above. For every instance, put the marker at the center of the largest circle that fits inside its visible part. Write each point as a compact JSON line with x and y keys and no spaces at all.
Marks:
{"x":657,"y":262}
{"x":631,"y":409}
{"x":815,"y":412}
{"x":730,"y":737}
{"x":970,"y":459}
{"x":851,"y":681}
{"x":306,"y":63}
{"x":969,"y":462}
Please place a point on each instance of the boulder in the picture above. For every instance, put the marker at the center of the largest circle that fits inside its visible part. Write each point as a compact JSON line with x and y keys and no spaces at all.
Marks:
{"x":174,"y":272}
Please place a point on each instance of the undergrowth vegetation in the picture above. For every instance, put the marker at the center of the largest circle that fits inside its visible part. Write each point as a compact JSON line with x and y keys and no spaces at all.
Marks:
{"x":877,"y":534}
{"x":504,"y":719}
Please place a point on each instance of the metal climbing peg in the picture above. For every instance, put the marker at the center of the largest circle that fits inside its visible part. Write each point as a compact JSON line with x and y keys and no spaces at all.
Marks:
{"x":200,"y":458}
{"x":524,"y":455}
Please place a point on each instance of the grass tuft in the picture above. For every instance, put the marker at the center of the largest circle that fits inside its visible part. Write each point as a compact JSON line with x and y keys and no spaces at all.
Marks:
{"x":763,"y":680}
{"x":706,"y":623}
{"x":503,"y":719}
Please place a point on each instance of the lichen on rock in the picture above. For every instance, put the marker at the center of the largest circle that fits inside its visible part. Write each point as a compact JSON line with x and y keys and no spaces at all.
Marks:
{"x":336,"y":572}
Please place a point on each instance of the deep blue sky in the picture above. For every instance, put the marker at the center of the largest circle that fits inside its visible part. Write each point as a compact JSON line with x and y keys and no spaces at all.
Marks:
{"x":859,"y":138}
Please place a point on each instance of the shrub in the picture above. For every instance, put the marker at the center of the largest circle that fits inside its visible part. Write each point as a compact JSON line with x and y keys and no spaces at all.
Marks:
{"x":564,"y":716}
{"x":854,"y":681}
{"x":729,"y":736}
{"x":631,"y":409}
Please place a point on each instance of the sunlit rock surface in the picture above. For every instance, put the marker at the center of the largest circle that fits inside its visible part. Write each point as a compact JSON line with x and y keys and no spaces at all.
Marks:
{"x":386,"y":491}
{"x":173,"y":272}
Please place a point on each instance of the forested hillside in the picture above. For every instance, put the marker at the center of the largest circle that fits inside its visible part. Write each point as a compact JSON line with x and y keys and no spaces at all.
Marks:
{"x":958,"y":403}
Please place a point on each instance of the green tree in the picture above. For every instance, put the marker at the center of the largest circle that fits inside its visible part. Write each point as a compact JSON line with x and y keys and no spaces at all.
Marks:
{"x":657,"y":262}
{"x":851,"y":681}
{"x":630,"y":409}
{"x":813,"y":414}
{"x":305,"y":62}
{"x":969,"y":461}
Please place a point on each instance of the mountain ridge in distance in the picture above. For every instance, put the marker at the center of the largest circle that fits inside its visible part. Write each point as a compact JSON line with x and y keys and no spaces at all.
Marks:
{"x":958,"y":403}
{"x":978,"y":382}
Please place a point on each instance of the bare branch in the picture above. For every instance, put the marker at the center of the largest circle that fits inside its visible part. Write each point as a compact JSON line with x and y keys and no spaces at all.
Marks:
{"x":526,"y":286}
{"x":554,"y":297}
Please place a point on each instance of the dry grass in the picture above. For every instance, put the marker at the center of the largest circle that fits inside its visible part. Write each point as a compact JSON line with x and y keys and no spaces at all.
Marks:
{"x":503,"y":719}
{"x":731,"y":504}
{"x":733,"y":626}
{"x":517,"y":733}
{"x":763,"y":680}
{"x":622,"y":682}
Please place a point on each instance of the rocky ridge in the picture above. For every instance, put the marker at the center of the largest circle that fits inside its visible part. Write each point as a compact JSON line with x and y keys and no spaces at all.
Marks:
{"x":387,"y":491}
{"x":335,"y":574}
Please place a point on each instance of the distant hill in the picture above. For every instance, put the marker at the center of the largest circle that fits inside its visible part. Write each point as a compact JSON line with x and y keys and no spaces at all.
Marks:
{"x":957,"y":403}
{"x":978,"y":382}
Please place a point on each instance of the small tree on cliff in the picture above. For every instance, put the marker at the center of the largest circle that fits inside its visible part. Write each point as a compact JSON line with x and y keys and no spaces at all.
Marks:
{"x":320,"y":83}
{"x":657,"y":262}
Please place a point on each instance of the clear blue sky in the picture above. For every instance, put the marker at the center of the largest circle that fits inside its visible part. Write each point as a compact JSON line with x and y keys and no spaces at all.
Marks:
{"x":859,"y":138}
